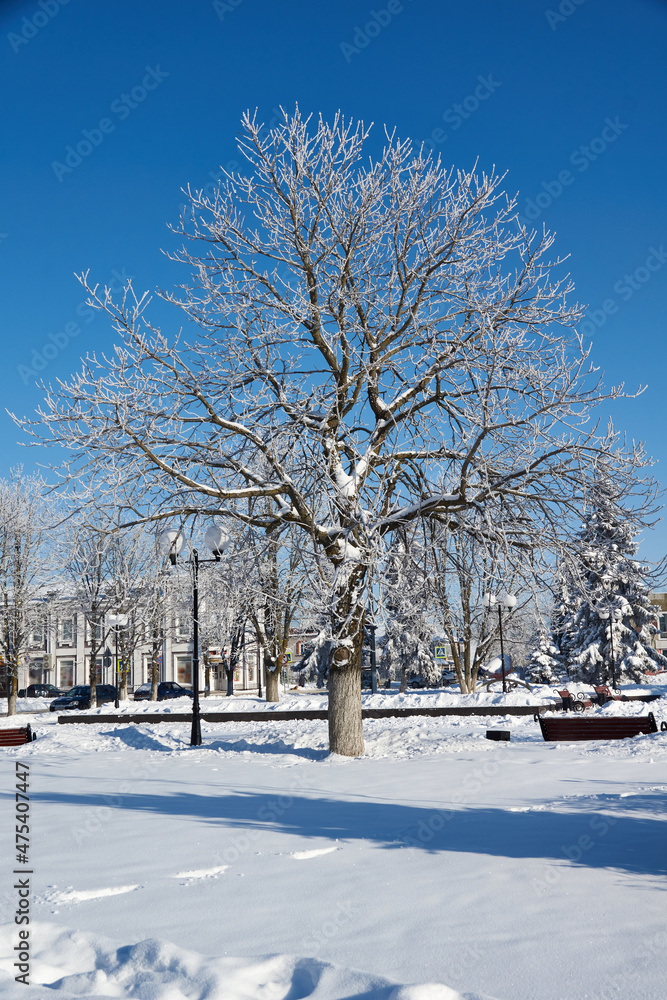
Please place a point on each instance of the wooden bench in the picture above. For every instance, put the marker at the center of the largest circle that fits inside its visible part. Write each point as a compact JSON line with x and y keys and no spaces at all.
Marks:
{"x":613,"y":727}
{"x":572,"y":703}
{"x":16,"y":737}
{"x":605,"y":694}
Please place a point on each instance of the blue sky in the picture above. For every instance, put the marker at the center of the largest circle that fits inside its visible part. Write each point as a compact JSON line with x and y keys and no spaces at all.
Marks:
{"x":567,"y":97}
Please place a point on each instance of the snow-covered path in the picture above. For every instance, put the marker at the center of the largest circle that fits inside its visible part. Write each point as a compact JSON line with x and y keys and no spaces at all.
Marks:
{"x":522,"y":871}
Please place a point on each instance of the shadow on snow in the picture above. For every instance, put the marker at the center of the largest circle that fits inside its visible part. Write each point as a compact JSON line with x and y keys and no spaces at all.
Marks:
{"x":632,"y":840}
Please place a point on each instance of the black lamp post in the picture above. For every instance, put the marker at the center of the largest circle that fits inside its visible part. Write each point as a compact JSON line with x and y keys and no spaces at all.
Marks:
{"x":171,"y":543}
{"x":116,"y":621}
{"x":506,"y":601}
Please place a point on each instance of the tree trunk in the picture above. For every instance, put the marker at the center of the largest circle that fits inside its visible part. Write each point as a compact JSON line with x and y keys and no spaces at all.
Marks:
{"x":404,"y":679}
{"x":12,"y":692}
{"x":92,"y":677}
{"x":346,"y":735}
{"x":155,"y":674}
{"x":272,"y":677}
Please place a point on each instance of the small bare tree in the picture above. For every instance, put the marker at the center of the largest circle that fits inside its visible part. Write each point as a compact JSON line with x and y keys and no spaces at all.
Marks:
{"x":369,"y":330}
{"x":142,"y":596}
{"x":87,"y":548}
{"x":280,"y":579}
{"x":25,"y":513}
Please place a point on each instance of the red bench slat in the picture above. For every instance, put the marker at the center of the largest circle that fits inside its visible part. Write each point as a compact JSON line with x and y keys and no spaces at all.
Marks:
{"x":16,"y":737}
{"x":613,"y":728}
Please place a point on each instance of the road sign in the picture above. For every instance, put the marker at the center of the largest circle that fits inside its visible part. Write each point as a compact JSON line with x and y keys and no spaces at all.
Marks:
{"x":441,"y":652}
{"x":287,"y":657}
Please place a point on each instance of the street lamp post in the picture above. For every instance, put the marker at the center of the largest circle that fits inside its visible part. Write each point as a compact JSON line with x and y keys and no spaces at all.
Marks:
{"x":170,"y":543}
{"x":506,"y":601}
{"x":116,"y":621}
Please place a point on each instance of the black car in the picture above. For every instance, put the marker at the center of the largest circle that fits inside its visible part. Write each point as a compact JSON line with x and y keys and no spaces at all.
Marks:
{"x":39,"y":691}
{"x":166,"y":689}
{"x":79,"y":697}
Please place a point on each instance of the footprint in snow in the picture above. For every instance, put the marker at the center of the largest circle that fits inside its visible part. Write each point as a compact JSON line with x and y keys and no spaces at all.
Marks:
{"x":305,"y":855}
{"x":81,"y":895}
{"x":198,"y":873}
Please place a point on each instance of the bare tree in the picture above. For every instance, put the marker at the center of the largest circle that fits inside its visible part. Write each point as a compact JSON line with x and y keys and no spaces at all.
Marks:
{"x":25,"y":510}
{"x":368,"y":331}
{"x":87,"y":550}
{"x":143,"y":597}
{"x":280,"y":579}
{"x":224,"y":605}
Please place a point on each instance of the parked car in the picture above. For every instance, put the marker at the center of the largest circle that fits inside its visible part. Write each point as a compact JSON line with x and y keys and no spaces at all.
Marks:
{"x":166,"y":689}
{"x":39,"y":691}
{"x":419,"y":682}
{"x":79,"y":697}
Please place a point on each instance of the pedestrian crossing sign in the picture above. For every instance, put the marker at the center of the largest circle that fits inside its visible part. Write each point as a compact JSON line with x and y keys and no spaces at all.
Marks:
{"x":441,"y":652}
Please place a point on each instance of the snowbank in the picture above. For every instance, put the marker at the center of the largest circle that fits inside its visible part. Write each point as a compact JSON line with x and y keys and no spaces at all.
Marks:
{"x":73,"y":964}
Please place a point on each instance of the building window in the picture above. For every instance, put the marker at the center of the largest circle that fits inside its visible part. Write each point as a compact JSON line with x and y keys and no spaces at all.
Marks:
{"x":183,"y":669}
{"x":98,"y":672}
{"x":66,"y":632}
{"x":662,"y":621}
{"x":99,"y":633}
{"x":35,"y":670}
{"x":36,"y":637}
{"x":182,"y":627}
{"x":65,"y":673}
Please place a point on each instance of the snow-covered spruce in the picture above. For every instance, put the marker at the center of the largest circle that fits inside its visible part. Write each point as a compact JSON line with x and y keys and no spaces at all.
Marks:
{"x":545,"y":663}
{"x":606,"y":633}
{"x":406,"y":648}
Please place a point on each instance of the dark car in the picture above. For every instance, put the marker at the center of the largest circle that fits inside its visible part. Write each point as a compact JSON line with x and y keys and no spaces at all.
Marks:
{"x":166,"y":689}
{"x":79,"y":697}
{"x":39,"y":691}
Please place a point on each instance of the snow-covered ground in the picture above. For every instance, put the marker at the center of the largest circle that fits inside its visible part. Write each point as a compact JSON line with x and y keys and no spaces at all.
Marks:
{"x":258,"y":866}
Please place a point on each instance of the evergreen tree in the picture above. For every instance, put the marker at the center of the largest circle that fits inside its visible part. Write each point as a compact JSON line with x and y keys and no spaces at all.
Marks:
{"x":407,"y":646}
{"x":545,"y":663}
{"x":606,"y":634}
